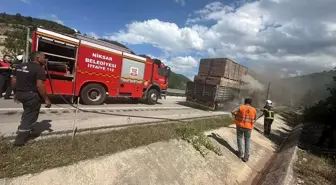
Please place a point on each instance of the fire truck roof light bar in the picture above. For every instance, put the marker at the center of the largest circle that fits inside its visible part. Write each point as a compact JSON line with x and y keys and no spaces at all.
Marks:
{"x":101,"y":47}
{"x":135,"y":56}
{"x":59,"y":56}
{"x":57,"y":35}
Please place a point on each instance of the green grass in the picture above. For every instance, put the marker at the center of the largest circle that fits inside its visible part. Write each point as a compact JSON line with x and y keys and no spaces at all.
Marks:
{"x":197,"y":138}
{"x":56,"y":152}
{"x":314,"y":170}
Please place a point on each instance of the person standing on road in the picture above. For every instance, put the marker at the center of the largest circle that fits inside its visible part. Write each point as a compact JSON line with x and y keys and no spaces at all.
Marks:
{"x":28,"y":82}
{"x":5,"y":73}
{"x":244,"y":118}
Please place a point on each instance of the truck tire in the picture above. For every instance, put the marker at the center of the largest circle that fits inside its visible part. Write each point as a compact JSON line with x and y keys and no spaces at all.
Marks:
{"x":93,"y":94}
{"x":152,"y":97}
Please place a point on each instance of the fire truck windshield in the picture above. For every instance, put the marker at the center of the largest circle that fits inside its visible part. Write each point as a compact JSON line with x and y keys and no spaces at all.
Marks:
{"x":164,"y":71}
{"x":167,"y":71}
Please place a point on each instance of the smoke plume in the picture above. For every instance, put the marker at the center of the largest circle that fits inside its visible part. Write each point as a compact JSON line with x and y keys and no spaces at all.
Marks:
{"x":252,"y":85}
{"x":254,"y":89}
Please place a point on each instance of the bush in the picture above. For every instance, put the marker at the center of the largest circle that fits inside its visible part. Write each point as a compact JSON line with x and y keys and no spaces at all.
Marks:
{"x":325,"y":110}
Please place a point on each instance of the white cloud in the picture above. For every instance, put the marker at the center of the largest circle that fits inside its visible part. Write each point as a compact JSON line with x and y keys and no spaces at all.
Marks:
{"x":212,"y":11}
{"x":93,"y":34}
{"x":183,"y":64}
{"x":26,"y":1}
{"x":265,"y":35}
{"x":181,"y":2}
{"x":164,"y":35}
{"x":55,"y":18}
{"x":41,"y":6}
{"x":180,"y":64}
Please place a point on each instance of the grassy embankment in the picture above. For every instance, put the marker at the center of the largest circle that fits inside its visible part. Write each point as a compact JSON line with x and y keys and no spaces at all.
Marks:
{"x":56,"y":152}
{"x":312,"y":170}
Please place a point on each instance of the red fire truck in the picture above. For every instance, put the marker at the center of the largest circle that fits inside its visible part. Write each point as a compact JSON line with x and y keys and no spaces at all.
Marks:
{"x":80,"y":66}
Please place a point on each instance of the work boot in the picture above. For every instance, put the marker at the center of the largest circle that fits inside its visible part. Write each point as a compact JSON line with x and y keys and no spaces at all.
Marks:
{"x":21,"y":139}
{"x":240,"y":155}
{"x":246,"y":158}
{"x":267,"y":134}
{"x":29,"y":142}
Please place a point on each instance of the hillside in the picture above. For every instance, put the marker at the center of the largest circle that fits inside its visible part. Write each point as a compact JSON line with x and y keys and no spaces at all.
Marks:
{"x":12,"y":35}
{"x":303,"y":90}
{"x":177,"y":81}
{"x":19,"y":20}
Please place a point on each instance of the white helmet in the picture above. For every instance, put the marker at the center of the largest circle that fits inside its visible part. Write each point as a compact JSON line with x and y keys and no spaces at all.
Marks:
{"x":269,"y":102}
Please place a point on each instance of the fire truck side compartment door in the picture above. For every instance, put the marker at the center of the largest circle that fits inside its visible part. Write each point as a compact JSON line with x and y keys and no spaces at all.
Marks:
{"x":132,"y":70}
{"x":132,"y":78}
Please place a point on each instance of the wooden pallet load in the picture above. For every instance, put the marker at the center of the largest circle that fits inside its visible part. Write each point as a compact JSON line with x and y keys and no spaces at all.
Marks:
{"x":204,"y":67}
{"x":220,"y":71}
{"x":223,"y":82}
{"x":222,"y":67}
{"x":200,"y":78}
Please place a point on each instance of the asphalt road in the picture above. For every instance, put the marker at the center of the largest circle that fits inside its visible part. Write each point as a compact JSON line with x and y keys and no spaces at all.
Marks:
{"x":59,"y":103}
{"x":61,"y":117}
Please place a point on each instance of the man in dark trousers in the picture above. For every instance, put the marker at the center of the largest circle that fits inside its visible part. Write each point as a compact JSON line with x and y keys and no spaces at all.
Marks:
{"x":268,"y":113}
{"x":5,"y":73}
{"x":28,"y":82}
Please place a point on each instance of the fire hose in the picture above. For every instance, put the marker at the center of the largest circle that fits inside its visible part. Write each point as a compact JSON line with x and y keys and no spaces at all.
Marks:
{"x":54,"y":88}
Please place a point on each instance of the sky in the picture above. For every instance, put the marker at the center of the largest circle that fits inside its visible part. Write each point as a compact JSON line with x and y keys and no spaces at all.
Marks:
{"x":279,"y":37}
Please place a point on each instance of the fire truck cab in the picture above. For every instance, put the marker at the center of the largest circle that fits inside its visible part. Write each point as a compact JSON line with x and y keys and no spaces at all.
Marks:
{"x":93,"y":70}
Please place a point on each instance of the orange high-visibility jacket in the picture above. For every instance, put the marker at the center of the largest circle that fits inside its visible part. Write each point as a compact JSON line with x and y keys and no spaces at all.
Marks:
{"x":246,"y":116}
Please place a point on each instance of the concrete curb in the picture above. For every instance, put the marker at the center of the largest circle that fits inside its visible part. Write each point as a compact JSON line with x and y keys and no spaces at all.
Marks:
{"x":281,"y":170}
{"x":290,"y":177}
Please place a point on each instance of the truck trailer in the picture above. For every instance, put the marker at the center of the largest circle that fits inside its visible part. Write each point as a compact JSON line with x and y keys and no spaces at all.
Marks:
{"x":80,"y":66}
{"x":218,"y":84}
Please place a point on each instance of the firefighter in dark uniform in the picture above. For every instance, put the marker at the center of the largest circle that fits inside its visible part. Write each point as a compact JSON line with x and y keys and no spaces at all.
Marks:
{"x":28,"y":82}
{"x":268,"y":113}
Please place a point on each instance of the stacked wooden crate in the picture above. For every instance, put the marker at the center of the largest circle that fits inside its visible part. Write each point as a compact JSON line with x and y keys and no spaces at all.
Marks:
{"x":221,"y":71}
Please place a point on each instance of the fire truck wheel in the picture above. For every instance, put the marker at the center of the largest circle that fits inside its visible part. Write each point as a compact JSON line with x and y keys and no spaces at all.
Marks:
{"x":93,"y":94}
{"x":153,"y":96}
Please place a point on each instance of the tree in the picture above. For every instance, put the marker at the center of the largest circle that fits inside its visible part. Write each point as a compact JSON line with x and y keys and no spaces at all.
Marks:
{"x":29,"y":19}
{"x":325,"y":110}
{"x":15,"y":42}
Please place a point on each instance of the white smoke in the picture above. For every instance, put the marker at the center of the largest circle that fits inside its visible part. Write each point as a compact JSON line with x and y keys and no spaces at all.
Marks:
{"x":252,"y":85}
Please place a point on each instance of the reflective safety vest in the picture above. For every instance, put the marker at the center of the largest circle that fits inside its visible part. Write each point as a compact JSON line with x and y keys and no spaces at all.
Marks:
{"x":268,"y":114}
{"x":245,"y":117}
